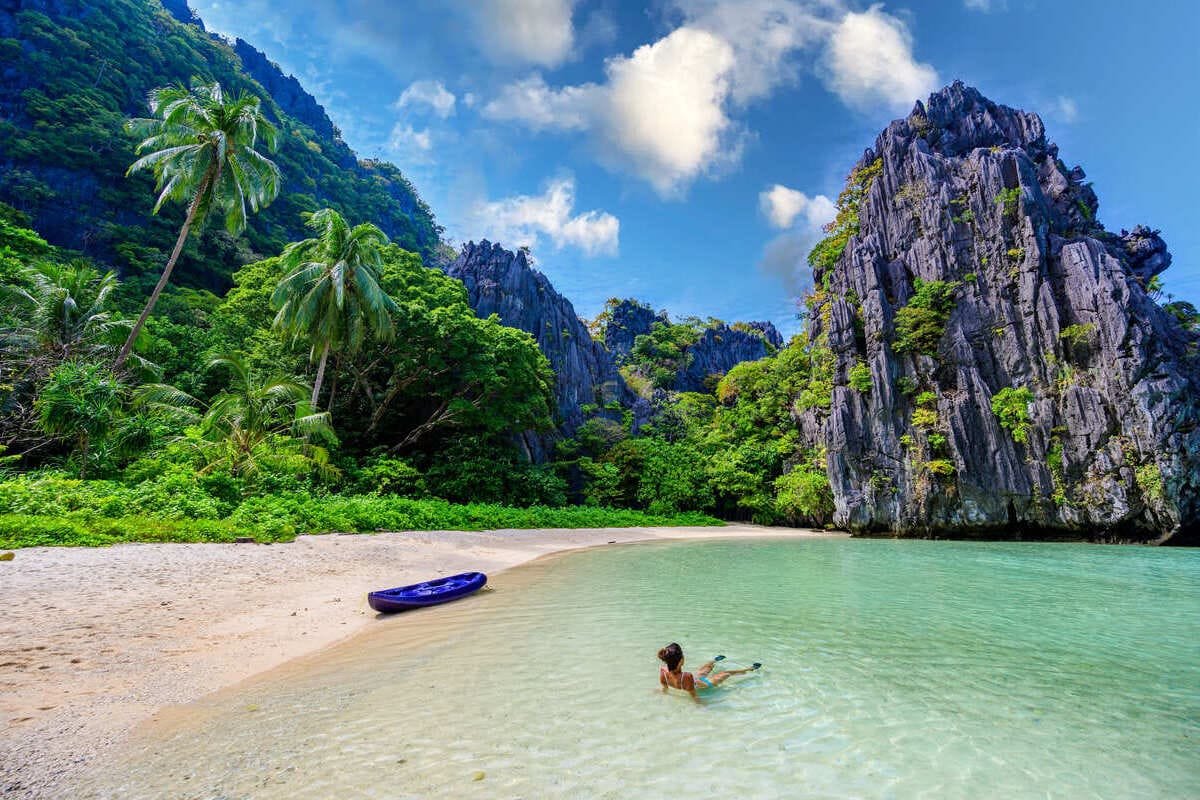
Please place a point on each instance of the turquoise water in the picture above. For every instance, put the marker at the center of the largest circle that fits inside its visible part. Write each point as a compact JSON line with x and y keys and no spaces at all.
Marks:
{"x":894,"y":669}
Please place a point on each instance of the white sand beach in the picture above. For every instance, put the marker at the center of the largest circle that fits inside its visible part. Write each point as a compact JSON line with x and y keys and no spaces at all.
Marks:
{"x":94,"y":641}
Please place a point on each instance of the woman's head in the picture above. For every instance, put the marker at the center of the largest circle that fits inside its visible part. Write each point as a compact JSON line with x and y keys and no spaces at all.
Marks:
{"x":671,"y":655}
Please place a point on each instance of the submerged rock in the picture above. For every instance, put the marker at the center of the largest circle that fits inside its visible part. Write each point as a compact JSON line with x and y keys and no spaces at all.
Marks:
{"x":1044,"y":300}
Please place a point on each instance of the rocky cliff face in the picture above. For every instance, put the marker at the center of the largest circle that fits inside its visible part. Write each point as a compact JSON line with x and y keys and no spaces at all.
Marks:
{"x":503,"y":283}
{"x":721,"y":348}
{"x":628,"y":320}
{"x":717,"y":348}
{"x":1045,"y":391}
{"x":287,"y":92}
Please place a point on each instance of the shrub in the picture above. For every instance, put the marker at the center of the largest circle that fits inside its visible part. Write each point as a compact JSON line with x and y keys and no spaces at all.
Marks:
{"x":1149,"y":480}
{"x":924,"y":418}
{"x":860,"y":377}
{"x":922,"y":321}
{"x":387,"y":475}
{"x":940,"y":467}
{"x":1011,"y":407}
{"x":1078,"y":335}
{"x":804,"y":494}
{"x":1009,"y":200}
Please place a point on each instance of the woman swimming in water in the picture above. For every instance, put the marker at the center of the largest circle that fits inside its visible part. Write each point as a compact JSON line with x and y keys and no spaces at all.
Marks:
{"x":672,"y":675}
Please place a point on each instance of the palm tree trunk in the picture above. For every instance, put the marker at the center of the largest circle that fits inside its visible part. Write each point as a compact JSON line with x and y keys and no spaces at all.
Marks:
{"x":337,"y":369}
{"x":162,"y":281}
{"x":320,"y":377}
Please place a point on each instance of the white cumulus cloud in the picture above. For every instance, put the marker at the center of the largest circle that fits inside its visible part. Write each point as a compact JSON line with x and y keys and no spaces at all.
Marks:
{"x":536,"y":32}
{"x":660,"y":114}
{"x":409,"y":146}
{"x":766,"y":36}
{"x":537,"y":105}
{"x":786,"y":255}
{"x":782,"y":205}
{"x":428,"y":93}
{"x":666,"y":111}
{"x":523,"y":220}
{"x":870,"y":63}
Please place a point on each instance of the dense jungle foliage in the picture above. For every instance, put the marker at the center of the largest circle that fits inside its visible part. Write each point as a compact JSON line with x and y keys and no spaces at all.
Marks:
{"x":209,"y":434}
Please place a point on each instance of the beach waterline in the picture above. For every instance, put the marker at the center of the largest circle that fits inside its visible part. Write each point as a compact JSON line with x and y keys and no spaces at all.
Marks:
{"x":892,"y":669}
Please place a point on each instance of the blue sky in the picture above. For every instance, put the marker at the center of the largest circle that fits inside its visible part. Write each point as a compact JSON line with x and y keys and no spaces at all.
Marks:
{"x":683,"y":151}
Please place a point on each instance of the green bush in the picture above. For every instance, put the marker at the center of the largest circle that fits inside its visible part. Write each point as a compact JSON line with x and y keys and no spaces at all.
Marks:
{"x":93,"y":515}
{"x":860,"y":377}
{"x":387,"y":475}
{"x":804,"y":494}
{"x":1011,"y":407}
{"x":1149,"y":480}
{"x":1009,"y":200}
{"x":922,"y":321}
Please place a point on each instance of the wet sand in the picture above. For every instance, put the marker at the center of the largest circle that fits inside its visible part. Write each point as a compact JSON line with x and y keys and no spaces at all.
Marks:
{"x":94,"y":641}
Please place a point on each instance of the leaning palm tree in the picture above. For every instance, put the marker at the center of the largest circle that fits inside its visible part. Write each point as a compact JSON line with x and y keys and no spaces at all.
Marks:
{"x":331,"y":295}
{"x":201,"y":148}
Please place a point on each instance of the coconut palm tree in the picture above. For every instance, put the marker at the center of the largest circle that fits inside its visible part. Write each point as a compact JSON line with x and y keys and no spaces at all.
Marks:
{"x":254,"y":423}
{"x":65,"y":311}
{"x":201,"y":147}
{"x":331,"y":295}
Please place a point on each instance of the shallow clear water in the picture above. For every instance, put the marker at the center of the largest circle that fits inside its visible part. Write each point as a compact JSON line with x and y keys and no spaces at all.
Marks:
{"x":894,"y":669}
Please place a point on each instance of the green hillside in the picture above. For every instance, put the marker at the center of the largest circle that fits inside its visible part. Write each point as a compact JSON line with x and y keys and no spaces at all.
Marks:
{"x":73,"y":71}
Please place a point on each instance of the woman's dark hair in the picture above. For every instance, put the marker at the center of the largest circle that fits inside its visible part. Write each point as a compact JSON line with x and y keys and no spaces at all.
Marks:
{"x":672,"y":654}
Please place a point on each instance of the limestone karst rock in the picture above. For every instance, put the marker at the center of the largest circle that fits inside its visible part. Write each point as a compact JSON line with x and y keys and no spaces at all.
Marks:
{"x":502,"y":282}
{"x":1049,"y":317}
{"x":716,"y":350}
{"x":588,"y":383}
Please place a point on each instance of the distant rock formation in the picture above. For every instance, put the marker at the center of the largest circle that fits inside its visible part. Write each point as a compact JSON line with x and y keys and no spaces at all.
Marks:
{"x":503,"y":283}
{"x":1043,"y":301}
{"x":717,"y":349}
{"x":627,"y":320}
{"x":721,"y":348}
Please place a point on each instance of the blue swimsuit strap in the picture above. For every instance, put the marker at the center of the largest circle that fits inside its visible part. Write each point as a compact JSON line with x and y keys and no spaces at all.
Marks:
{"x":704,"y":678}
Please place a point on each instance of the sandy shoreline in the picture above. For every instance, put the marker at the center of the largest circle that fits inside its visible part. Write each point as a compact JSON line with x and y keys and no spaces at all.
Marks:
{"x":93,"y":641}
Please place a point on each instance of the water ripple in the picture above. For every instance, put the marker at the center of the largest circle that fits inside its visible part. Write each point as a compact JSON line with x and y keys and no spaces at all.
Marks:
{"x":894,"y":670}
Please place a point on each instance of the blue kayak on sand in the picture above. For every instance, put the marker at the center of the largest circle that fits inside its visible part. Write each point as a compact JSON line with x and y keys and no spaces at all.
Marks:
{"x":429,"y":593}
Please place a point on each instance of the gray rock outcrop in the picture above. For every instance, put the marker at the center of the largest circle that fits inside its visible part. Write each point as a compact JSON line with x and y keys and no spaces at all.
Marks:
{"x":628,"y":320}
{"x":720,"y":348}
{"x":1045,"y":300}
{"x":587,"y":384}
